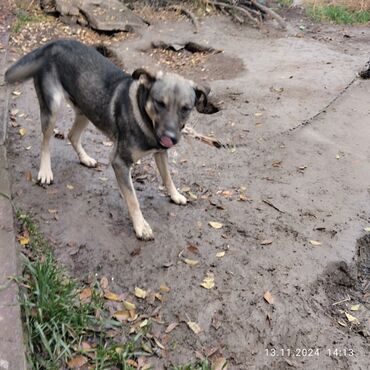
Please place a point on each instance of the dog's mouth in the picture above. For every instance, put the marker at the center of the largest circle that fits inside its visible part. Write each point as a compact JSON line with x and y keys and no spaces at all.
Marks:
{"x":166,"y":142}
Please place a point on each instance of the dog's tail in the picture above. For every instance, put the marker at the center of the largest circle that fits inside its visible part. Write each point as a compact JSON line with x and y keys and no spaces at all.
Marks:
{"x":26,"y":67}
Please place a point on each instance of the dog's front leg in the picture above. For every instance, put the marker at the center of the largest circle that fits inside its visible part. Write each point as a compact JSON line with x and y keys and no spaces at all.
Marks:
{"x":161,"y":159}
{"x":123,"y":175}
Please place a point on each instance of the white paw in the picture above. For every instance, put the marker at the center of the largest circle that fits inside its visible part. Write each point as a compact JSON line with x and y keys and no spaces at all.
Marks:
{"x":178,"y":198}
{"x":88,"y":161}
{"x":143,"y":230}
{"x":45,"y":176}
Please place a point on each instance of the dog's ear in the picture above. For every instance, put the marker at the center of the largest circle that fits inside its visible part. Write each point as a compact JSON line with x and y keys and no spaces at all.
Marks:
{"x":144,"y":76}
{"x":201,"y":97}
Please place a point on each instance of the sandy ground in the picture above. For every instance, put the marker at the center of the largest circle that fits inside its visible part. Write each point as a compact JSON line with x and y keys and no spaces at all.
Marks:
{"x":279,"y":185}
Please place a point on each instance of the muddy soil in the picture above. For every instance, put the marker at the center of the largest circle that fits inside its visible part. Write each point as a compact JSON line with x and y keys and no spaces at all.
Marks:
{"x":293,"y":200}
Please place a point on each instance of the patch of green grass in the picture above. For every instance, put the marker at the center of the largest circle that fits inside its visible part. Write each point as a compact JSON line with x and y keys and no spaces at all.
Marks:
{"x":22,"y":18}
{"x":200,"y":365}
{"x":56,"y":322}
{"x":337,"y":14}
{"x":285,"y":3}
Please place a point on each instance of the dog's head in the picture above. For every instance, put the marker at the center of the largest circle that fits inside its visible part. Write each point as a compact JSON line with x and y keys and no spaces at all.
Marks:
{"x":169,"y":99}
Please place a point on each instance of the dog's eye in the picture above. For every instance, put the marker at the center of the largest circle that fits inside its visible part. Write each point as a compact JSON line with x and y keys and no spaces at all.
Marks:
{"x":159,"y":104}
{"x":185,"y":110}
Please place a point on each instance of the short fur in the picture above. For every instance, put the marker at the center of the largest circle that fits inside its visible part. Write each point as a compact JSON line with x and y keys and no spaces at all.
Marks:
{"x":142,"y":113}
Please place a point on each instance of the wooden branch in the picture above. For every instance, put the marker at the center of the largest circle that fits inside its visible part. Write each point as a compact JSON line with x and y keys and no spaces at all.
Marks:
{"x":188,"y":13}
{"x":270,"y":12}
{"x":242,"y":10}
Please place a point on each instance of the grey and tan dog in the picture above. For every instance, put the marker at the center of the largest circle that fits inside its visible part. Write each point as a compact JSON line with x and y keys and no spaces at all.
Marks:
{"x":141,"y":113}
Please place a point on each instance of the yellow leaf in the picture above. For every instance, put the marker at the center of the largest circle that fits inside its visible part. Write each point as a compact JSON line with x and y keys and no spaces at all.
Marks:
{"x":315,"y":243}
{"x":111,"y":296}
{"x":77,"y":362}
{"x":23,"y":240}
{"x":194,"y":327}
{"x":70,"y":187}
{"x":208,"y":281}
{"x":22,"y":131}
{"x":367,"y":229}
{"x":351,"y":318}
{"x":191,"y":262}
{"x":355,"y":307}
{"x":216,"y":225}
{"x":129,"y":306}
{"x":121,"y":315}
{"x":140,"y":293}
{"x":220,"y":254}
{"x":268,"y":297}
{"x":258,"y":114}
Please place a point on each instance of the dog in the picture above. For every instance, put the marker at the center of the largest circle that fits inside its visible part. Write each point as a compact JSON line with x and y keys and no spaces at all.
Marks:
{"x":142,"y":113}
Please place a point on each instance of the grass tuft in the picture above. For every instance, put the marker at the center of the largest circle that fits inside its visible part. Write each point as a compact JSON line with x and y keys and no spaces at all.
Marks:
{"x":337,"y":14}
{"x":59,"y":328}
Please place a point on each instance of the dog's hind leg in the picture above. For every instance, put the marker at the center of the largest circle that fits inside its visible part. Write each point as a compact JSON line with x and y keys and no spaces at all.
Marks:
{"x":74,"y":136}
{"x":161,"y":159}
{"x":49,"y":98}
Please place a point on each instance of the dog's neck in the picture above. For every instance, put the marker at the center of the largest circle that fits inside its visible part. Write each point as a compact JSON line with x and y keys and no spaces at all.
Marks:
{"x":138,"y":98}
{"x":142,"y":97}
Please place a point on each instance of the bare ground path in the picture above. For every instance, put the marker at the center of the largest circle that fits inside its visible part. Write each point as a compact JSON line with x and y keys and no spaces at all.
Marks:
{"x":316,"y":176}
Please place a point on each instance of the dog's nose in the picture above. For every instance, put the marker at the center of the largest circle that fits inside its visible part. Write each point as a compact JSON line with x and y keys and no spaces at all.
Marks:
{"x":172,"y":136}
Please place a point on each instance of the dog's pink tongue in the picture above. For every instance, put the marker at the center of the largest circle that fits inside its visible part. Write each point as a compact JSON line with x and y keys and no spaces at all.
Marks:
{"x":166,"y":141}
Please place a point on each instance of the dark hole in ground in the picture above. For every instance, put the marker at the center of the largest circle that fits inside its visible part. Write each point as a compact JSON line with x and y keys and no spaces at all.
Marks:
{"x":195,"y":61}
{"x":344,"y":286}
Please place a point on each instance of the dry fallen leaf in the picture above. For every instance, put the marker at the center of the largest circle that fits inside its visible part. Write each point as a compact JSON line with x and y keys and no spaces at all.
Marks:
{"x":191,"y":262}
{"x":24,"y":240}
{"x":171,"y":327}
{"x":164,"y":288}
{"x":129,"y":306}
{"x":140,"y":293}
{"x":268,"y":297}
{"x":194,"y":327}
{"x":219,"y":363}
{"x":355,"y":307}
{"x":104,"y":283}
{"x":111,"y":296}
{"x":315,"y":243}
{"x":85,"y":295}
{"x":121,"y":315}
{"x":70,"y":187}
{"x":159,"y":344}
{"x":351,"y":318}
{"x":266,"y":242}
{"x":220,"y":254}
{"x":208,"y":281}
{"x":216,"y":225}
{"x":16,"y":92}
{"x":367,"y":229}
{"x":77,"y":362}
{"x":258,"y":114}
{"x":341,"y":323}
{"x":22,"y":131}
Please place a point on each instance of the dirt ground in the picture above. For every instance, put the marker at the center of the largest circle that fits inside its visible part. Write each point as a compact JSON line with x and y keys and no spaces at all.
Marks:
{"x":293,"y":198}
